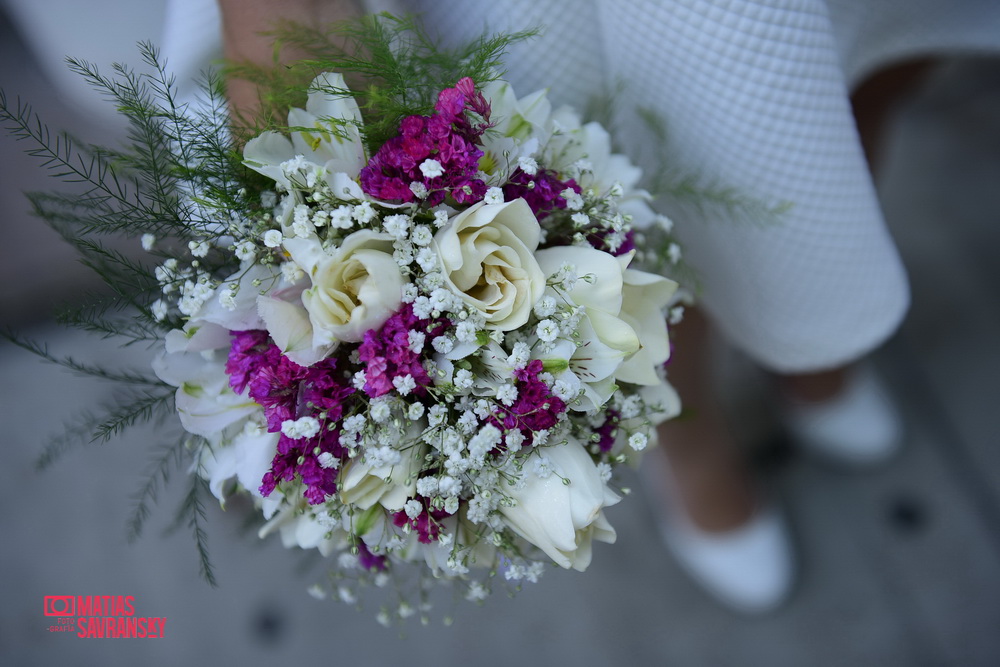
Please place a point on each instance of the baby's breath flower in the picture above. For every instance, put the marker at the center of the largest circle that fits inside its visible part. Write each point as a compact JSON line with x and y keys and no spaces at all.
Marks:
{"x":397,"y":225}
{"x":427,"y":259}
{"x":638,"y":441}
{"x":431,"y":168}
{"x":404,"y":384}
{"x":379,"y":411}
{"x":443,"y":344}
{"x":494,"y":196}
{"x":245,"y":251}
{"x":546,"y":306}
{"x":199,"y":248}
{"x":304,"y":427}
{"x":273,"y":238}
{"x":327,"y":460}
{"x":465,"y":332}
{"x":291,"y":272}
{"x":574,"y":201}
{"x":527,"y":165}
{"x":547,"y":330}
{"x":159,"y":310}
{"x":419,"y":190}
{"x":227,"y":297}
{"x":421,"y":235}
{"x":363,"y":212}
{"x":340,"y":217}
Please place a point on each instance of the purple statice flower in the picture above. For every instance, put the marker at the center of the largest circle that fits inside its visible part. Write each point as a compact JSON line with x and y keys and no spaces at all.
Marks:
{"x":535,"y":409}
{"x":448,"y":138}
{"x":387,"y":355}
{"x":608,"y":430}
{"x":316,"y":391}
{"x":542,"y":191}
{"x":427,"y":523}
{"x":597,"y":239}
{"x":454,"y":102}
{"x":370,"y":561}
{"x":302,"y":457}
{"x":249,"y":352}
{"x":276,"y":389}
{"x":288,"y":391}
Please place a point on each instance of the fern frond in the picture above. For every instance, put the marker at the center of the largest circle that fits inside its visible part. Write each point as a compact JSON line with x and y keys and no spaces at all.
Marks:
{"x":42,"y":350}
{"x":140,"y":407}
{"x":191,"y":513}
{"x":169,"y":458}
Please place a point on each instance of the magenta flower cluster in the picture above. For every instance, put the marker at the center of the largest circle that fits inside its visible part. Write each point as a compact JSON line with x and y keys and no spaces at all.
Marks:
{"x":426,"y":524}
{"x":449,"y":137}
{"x":371,"y":561}
{"x":607,"y":431}
{"x":387,"y":354}
{"x":288,"y":391}
{"x":542,"y":190}
{"x":535,"y":409}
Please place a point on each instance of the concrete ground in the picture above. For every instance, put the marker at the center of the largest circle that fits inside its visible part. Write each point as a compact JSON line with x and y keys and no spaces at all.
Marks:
{"x":899,"y":566}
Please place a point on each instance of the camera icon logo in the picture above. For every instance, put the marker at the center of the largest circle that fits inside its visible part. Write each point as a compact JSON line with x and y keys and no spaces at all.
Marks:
{"x":60,"y":605}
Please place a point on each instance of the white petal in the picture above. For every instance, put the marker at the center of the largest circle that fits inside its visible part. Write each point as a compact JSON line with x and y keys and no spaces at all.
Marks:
{"x":265,"y":153}
{"x":291,"y":330}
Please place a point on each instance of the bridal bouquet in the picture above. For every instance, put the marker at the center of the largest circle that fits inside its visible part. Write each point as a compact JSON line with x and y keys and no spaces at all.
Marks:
{"x":407,"y":323}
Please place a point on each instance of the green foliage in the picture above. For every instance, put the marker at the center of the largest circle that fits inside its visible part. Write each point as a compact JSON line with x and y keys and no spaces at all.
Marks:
{"x":81,"y":368}
{"x":393,"y":68}
{"x":169,"y":457}
{"x":126,"y":410}
{"x":191,"y":513}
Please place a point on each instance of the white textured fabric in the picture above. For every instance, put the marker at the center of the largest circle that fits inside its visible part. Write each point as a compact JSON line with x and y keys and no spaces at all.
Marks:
{"x":755,"y":94}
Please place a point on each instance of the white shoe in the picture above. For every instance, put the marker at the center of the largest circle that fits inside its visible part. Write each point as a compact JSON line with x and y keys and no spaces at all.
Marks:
{"x":860,"y":426}
{"x":750,"y":569}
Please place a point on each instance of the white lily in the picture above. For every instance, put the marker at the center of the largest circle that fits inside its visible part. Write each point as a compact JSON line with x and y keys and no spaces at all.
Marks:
{"x":603,"y":339}
{"x":205,"y":403}
{"x":329,"y":137}
{"x":644,"y":298}
{"x":247,"y":457}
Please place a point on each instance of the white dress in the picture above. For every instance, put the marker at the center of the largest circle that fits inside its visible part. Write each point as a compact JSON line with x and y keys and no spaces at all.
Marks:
{"x":755,"y":94}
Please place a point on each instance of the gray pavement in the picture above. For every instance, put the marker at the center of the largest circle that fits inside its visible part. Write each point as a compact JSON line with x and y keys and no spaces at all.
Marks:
{"x":899,"y":566}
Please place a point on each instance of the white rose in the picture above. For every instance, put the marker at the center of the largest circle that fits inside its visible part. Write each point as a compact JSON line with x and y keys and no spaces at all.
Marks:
{"x":353,"y":290}
{"x":487,"y":253}
{"x":563,"y":519}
